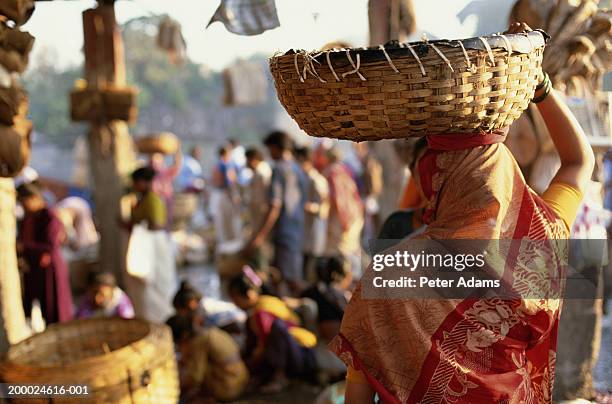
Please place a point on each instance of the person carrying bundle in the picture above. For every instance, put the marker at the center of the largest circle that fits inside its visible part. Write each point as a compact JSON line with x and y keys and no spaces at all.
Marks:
{"x":473,"y":350}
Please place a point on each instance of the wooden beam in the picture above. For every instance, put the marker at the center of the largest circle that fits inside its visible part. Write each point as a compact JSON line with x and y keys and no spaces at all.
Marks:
{"x":109,"y":141}
{"x":104,"y":56}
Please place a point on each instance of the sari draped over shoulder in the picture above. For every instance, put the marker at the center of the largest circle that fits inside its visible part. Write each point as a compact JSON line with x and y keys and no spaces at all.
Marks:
{"x":470,"y":350}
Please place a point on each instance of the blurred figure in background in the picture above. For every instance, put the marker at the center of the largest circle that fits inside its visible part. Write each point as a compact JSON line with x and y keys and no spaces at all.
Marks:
{"x":210,"y":362}
{"x":77,"y":218}
{"x":150,"y":209}
{"x":190,"y":177}
{"x":346,"y":214}
{"x":151,"y":280}
{"x":257,"y":193}
{"x":285,"y":216}
{"x":258,"y":188}
{"x":370,"y":182}
{"x":238,"y":160}
{"x":164,"y":178}
{"x":104,"y":299}
{"x":277,"y":348}
{"x":330,"y":293}
{"x":225,"y":200}
{"x":45,"y":274}
{"x":316,"y":209}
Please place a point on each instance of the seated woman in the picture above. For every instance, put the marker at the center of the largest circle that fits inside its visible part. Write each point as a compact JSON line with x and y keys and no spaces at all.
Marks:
{"x":473,"y":350}
{"x":210,"y":366}
{"x":330,"y":295}
{"x":104,"y":298}
{"x":277,"y":348}
{"x":189,"y":302}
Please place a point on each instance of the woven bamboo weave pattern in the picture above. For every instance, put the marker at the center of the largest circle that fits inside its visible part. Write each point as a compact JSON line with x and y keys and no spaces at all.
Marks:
{"x":447,"y":88}
{"x":121,"y":361}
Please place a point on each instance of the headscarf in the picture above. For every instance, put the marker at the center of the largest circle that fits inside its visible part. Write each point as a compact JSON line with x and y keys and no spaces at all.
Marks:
{"x":471,"y":350}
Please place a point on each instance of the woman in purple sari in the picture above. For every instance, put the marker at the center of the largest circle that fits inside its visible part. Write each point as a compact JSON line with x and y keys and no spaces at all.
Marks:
{"x":45,"y":274}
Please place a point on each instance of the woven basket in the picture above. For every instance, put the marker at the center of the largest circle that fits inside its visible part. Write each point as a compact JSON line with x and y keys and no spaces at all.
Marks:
{"x":403,"y":90}
{"x":14,"y":151}
{"x":121,"y":361}
{"x":164,"y":143}
{"x":104,"y":104}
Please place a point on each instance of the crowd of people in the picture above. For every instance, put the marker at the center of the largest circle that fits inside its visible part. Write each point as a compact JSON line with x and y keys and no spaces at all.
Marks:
{"x":297,"y":215}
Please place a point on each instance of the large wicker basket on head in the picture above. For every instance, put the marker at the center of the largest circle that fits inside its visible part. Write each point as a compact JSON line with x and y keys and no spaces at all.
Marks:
{"x":120,"y":361}
{"x":402,"y":90}
{"x":163,"y":142}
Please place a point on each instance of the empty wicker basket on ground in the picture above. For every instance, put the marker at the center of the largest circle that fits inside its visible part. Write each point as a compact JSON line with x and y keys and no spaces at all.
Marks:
{"x":121,"y":361}
{"x":164,"y":143}
{"x":401,"y":90}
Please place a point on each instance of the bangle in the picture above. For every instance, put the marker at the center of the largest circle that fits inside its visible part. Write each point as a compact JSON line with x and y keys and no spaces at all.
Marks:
{"x":544,"y":81}
{"x":547,"y":85}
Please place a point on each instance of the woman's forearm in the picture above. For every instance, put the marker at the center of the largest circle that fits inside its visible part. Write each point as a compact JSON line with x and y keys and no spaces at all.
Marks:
{"x":574,"y":150}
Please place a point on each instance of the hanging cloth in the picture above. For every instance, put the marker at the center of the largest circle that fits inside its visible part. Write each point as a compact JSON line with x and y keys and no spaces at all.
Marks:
{"x":247,"y":17}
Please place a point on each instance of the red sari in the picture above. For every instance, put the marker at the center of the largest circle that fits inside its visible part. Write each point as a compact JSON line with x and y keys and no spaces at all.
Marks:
{"x":471,"y":350}
{"x":41,"y":233}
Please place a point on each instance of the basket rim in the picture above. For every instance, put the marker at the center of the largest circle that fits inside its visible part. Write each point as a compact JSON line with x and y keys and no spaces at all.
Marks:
{"x":522,"y":43}
{"x":155,"y":135}
{"x":7,"y":363}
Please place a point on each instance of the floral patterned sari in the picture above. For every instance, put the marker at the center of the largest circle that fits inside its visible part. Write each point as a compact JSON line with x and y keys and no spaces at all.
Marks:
{"x":471,"y":350}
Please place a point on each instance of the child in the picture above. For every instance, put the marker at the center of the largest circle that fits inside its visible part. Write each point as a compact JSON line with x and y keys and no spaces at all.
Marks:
{"x":277,"y":348}
{"x":210,"y":360}
{"x":104,"y":298}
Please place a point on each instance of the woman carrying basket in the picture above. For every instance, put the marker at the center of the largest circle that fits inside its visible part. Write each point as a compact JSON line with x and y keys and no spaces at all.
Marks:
{"x":472,"y":350}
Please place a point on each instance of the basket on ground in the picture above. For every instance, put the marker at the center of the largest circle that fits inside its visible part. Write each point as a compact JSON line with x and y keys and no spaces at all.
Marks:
{"x":402,"y":90}
{"x":120,"y":361}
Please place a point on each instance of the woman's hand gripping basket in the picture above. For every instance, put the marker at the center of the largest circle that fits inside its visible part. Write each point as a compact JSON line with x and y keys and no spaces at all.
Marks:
{"x":410,"y":89}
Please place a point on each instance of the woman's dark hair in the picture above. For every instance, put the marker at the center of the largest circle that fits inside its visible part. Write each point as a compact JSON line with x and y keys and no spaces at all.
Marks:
{"x":185,"y":294}
{"x":241,"y":285}
{"x":303,"y":153}
{"x":28,"y":190}
{"x":278,"y":139}
{"x":143,"y":174}
{"x":181,"y":326}
{"x":332,"y":269}
{"x":419,"y":146}
{"x":254,"y":153}
{"x":101,"y":279}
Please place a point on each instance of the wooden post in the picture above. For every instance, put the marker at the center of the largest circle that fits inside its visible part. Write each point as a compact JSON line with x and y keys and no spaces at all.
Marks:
{"x":110,"y":146}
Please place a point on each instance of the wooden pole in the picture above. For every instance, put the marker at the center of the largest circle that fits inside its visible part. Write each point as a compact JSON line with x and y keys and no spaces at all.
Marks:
{"x":110,"y":146}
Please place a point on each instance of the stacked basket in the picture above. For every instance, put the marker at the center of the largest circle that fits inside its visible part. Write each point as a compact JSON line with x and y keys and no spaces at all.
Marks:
{"x":401,"y":90}
{"x":163,"y":142}
{"x":15,"y":48}
{"x":120,"y":361}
